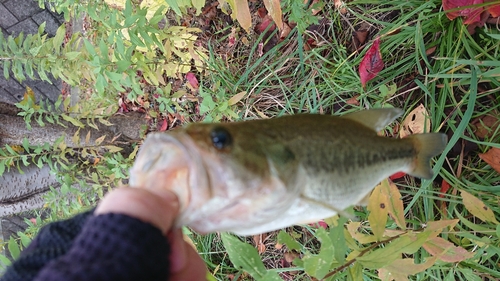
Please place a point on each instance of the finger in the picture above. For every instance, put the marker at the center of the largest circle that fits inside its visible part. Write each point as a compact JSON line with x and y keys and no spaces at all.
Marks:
{"x":157,"y":207}
{"x":185,"y":263}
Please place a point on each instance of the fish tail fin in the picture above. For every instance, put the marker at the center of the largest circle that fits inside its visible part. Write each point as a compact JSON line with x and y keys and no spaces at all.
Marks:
{"x":428,"y":146}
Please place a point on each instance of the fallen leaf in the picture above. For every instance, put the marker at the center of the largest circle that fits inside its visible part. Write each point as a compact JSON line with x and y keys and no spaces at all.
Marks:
{"x":359,"y":39}
{"x":445,"y":186}
{"x":471,"y":14}
{"x":285,"y":31}
{"x":494,"y":9}
{"x":445,"y":250}
{"x":236,"y":98}
{"x":290,"y":256}
{"x":242,"y":11}
{"x":492,"y":157}
{"x":486,"y":125}
{"x":371,"y":64}
{"x":340,"y":6}
{"x":193,"y":82}
{"x":274,"y":9}
{"x":353,"y":101}
{"x":417,"y":122}
{"x":258,"y":240}
{"x":397,"y":175}
{"x":377,"y":205}
{"x":164,"y":125}
{"x":476,"y":207}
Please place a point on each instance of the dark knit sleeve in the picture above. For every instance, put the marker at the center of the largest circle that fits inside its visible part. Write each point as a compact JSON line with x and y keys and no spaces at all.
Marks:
{"x":106,"y":247}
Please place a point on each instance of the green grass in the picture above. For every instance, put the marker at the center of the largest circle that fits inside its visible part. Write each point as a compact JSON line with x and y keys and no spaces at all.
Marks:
{"x":457,"y":83}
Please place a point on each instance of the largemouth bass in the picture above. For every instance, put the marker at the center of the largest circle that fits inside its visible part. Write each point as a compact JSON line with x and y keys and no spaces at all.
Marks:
{"x":257,"y":176}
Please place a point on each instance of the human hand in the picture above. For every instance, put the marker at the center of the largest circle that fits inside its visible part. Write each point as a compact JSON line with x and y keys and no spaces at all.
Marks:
{"x":158,"y":207}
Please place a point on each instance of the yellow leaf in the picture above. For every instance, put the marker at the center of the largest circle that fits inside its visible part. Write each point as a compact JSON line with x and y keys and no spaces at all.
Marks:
{"x":377,"y":205}
{"x":445,"y":250}
{"x":29,"y":98}
{"x":236,"y":98}
{"x":99,"y":140}
{"x":353,"y":227}
{"x":477,"y":207}
{"x":400,"y":269}
{"x":72,"y":120}
{"x":416,"y":122}
{"x":437,"y":226}
{"x":113,"y":148}
{"x":242,"y":11}
{"x":394,"y":203}
{"x":274,"y":9}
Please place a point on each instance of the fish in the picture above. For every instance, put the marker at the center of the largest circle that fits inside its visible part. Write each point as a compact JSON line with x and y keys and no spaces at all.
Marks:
{"x":257,"y":176}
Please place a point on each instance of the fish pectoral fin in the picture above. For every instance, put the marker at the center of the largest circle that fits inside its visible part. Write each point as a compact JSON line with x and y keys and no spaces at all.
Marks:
{"x":327,"y":206}
{"x":376,"y":119}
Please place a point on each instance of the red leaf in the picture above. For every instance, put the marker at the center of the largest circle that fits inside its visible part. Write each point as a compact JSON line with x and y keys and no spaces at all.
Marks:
{"x":319,"y":224}
{"x":371,"y":64}
{"x":494,"y":9}
{"x":164,"y":125}
{"x":471,"y":15}
{"x":191,"y":78}
{"x":445,"y":186}
{"x":397,"y":175}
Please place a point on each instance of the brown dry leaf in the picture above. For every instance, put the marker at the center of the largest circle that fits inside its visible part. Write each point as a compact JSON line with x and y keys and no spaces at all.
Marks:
{"x":353,"y":101}
{"x":285,"y":31}
{"x":340,"y":6}
{"x":492,"y":157}
{"x":278,"y":246}
{"x":377,"y":205}
{"x":486,"y":125}
{"x":417,"y":122}
{"x":236,"y":98}
{"x":477,"y":207}
{"x":394,"y":203}
{"x":400,"y":269}
{"x":290,"y":256}
{"x":445,"y":250}
{"x":259,"y":242}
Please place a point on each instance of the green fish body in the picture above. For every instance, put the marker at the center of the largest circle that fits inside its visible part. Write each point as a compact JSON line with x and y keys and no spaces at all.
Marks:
{"x":257,"y":176}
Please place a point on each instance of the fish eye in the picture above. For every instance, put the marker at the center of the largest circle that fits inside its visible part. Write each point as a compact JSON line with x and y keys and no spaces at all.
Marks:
{"x":220,"y":137}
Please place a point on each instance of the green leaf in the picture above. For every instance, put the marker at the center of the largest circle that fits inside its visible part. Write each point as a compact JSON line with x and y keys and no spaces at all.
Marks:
{"x":198,"y":5}
{"x":4,"y":260}
{"x":13,"y":248}
{"x":122,"y":65}
{"x":2,"y":168}
{"x":285,"y":238}
{"x":6,"y":68}
{"x":243,"y":256}
{"x":25,"y":240}
{"x":99,"y":84}
{"x":72,"y":120}
{"x":173,"y":4}
{"x":72,"y":55}
{"x":338,"y":239}
{"x":319,"y":265}
{"x":59,"y":38}
{"x":408,"y":243}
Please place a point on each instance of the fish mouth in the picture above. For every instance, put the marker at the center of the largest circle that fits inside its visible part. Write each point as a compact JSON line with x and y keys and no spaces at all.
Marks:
{"x":165,"y":161}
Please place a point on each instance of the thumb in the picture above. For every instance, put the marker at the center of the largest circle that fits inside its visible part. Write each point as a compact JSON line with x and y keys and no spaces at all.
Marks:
{"x":158,"y":207}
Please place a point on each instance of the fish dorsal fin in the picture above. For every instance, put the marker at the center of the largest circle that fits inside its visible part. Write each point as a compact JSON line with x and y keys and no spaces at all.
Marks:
{"x":375,"y":119}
